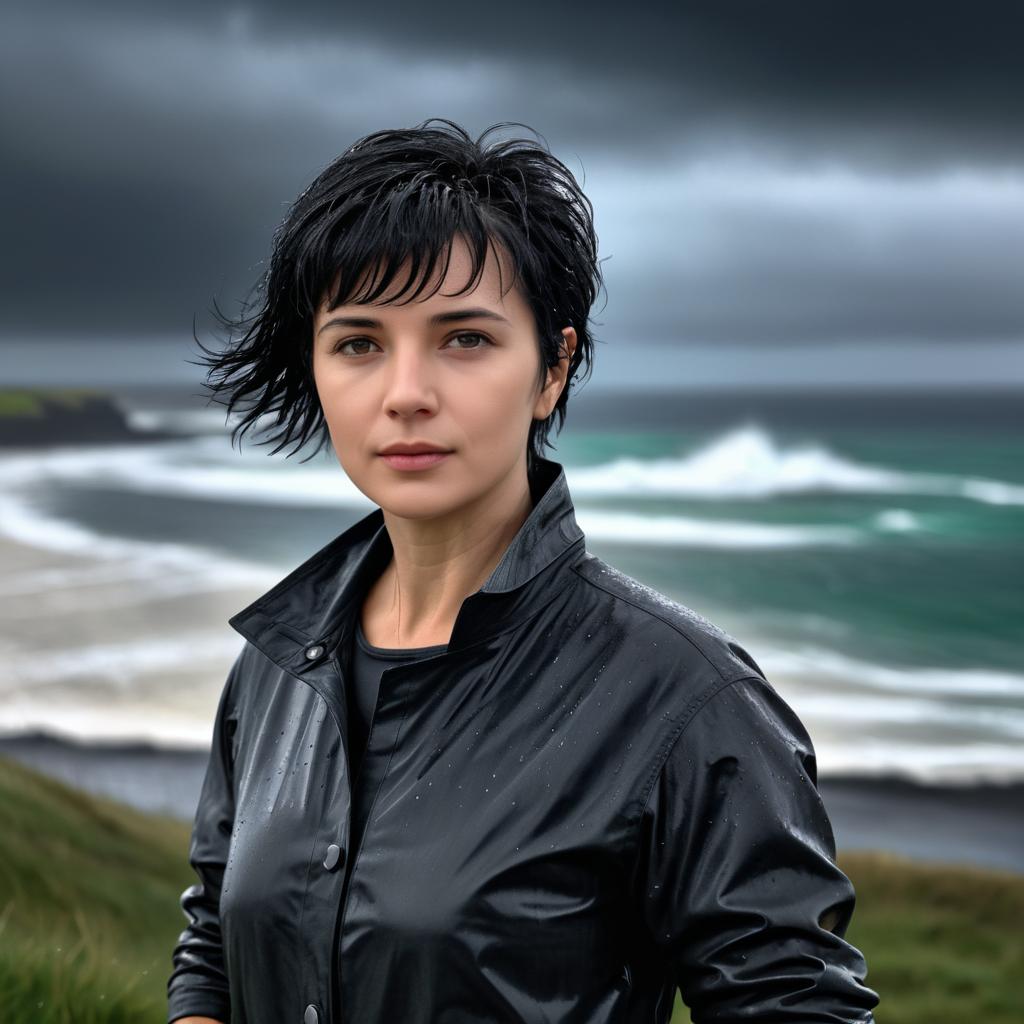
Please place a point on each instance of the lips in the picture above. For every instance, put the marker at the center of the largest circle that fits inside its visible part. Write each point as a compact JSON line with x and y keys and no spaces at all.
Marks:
{"x":415,"y":460}
{"x":414,"y":449}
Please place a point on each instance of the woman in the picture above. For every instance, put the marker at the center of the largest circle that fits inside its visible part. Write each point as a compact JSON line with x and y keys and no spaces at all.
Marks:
{"x":463,"y":770}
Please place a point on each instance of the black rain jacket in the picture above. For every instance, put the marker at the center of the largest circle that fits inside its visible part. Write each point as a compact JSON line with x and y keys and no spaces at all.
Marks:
{"x":593,"y":796}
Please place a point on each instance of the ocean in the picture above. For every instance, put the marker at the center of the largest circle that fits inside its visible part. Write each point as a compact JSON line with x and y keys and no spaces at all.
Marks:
{"x":866,"y":548}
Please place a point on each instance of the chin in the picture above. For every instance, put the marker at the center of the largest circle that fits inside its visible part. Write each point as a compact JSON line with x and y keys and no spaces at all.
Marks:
{"x":415,"y":507}
{"x":414,"y":495}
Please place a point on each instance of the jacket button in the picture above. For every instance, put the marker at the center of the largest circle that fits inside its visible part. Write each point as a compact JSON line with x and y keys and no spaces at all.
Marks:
{"x":311,"y":1016}
{"x":333,"y":856}
{"x":314,"y":652}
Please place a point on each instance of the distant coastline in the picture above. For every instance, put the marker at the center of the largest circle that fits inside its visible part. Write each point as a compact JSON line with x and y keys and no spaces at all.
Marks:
{"x":43,"y":417}
{"x":979,"y":824}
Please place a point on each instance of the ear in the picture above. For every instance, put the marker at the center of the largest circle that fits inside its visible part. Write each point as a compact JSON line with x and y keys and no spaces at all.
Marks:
{"x":556,"y":376}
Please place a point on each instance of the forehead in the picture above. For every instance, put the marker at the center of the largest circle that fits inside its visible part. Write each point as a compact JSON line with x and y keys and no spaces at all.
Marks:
{"x":445,"y":288}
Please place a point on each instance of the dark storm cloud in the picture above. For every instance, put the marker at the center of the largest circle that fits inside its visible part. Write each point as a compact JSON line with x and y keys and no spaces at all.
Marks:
{"x":151,"y":152}
{"x":897,"y":83}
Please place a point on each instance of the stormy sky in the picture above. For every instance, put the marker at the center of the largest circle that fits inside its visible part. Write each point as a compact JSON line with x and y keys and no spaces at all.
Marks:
{"x":799,"y":190}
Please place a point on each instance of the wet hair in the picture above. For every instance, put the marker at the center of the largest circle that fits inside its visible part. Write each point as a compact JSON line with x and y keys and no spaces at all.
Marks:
{"x":404,"y":194}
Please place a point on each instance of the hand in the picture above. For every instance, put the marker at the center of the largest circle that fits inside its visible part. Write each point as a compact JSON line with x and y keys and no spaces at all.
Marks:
{"x":196,"y":1020}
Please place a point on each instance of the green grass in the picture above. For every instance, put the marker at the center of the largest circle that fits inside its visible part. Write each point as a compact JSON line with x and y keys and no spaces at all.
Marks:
{"x":29,"y":402}
{"x":89,"y":914}
{"x":88,"y":904}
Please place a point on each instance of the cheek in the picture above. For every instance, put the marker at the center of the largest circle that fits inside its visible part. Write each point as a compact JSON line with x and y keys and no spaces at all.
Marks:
{"x":500,"y":396}
{"x":335,"y":398}
{"x":346,"y":422}
{"x":508,"y":384}
{"x":495,"y":414}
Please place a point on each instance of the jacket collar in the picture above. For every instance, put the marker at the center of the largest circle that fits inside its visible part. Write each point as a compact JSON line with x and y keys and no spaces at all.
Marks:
{"x":307,"y":616}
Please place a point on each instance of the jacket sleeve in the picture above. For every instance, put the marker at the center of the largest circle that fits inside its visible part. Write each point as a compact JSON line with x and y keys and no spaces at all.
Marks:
{"x":198,"y":984}
{"x":736,"y":878}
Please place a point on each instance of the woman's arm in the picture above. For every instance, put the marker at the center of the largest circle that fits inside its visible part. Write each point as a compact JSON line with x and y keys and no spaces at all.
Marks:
{"x":198,"y":988}
{"x":736,"y":877}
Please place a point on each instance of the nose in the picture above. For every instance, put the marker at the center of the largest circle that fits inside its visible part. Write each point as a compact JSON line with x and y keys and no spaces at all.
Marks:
{"x":410,"y":384}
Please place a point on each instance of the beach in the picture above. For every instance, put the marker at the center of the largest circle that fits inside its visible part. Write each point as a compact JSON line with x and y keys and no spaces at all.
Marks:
{"x":879,"y":599}
{"x":78,"y":632}
{"x":980,"y":824}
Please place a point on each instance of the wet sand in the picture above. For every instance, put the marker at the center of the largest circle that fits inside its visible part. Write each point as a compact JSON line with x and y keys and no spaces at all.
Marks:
{"x":115,"y":648}
{"x":73,"y":628}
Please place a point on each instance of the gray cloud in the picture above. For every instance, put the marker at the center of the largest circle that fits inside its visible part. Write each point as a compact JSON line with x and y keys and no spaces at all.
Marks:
{"x":741,"y":252}
{"x":767,"y":173}
{"x":900,"y":85}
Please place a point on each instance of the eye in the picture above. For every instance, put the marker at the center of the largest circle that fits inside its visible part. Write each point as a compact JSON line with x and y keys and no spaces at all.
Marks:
{"x":466,"y":335}
{"x":471,"y":335}
{"x":353,"y":341}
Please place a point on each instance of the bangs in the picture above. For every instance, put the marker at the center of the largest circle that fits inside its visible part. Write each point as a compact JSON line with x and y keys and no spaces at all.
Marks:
{"x":358,"y":257}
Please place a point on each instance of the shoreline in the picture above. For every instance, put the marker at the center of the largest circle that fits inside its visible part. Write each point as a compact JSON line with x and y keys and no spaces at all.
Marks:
{"x":979,"y":825}
{"x":87,"y":616}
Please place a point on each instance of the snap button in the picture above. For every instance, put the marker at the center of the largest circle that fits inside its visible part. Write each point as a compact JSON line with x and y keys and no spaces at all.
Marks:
{"x":333,"y":856}
{"x":311,"y":1016}
{"x":314,"y":652}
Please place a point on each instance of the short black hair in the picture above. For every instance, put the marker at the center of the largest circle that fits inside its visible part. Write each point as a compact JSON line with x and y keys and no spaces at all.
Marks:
{"x":398,"y":194}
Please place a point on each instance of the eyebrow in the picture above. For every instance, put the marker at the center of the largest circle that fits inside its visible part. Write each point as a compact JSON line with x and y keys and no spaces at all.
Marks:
{"x":454,"y":317}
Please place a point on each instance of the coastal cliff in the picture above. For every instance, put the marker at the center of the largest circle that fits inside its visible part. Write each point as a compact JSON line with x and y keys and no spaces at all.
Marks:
{"x":36,"y":418}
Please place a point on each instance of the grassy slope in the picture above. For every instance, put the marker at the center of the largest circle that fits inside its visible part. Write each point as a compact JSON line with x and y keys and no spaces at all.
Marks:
{"x":88,"y":904}
{"x":89,"y":913}
{"x":29,"y":401}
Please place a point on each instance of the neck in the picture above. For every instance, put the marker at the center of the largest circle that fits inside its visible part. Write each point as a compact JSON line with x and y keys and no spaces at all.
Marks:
{"x":437,"y":563}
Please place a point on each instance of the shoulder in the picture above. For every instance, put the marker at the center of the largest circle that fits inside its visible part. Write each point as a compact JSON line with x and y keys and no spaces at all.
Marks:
{"x":649,"y":614}
{"x":716,"y":703}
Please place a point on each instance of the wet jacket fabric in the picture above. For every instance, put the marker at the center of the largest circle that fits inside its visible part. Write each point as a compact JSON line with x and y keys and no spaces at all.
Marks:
{"x":591,"y":798}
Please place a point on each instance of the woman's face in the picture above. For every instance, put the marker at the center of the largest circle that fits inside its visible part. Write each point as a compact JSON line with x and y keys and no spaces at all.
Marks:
{"x":456,"y":371}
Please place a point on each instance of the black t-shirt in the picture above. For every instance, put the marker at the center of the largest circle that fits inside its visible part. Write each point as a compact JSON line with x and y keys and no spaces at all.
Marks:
{"x":368,"y":662}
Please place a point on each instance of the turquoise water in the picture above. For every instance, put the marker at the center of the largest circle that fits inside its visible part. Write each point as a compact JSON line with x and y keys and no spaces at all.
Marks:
{"x":867,"y":550}
{"x":930,"y":570}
